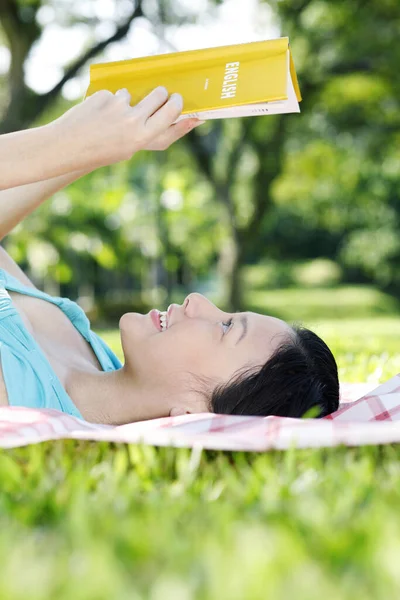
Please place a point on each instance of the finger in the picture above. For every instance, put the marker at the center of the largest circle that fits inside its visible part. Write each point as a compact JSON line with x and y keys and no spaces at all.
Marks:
{"x":166,"y":115}
{"x":101,"y":97}
{"x":152,"y":102}
{"x":171,"y":135}
{"x":175,"y":132}
{"x":124,"y":95}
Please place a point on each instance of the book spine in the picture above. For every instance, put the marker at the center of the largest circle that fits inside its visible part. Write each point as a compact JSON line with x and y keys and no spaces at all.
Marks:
{"x":190,"y":60}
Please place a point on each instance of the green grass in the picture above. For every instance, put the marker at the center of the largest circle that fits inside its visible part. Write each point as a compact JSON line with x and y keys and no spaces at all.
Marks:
{"x":345,"y":302}
{"x":94,"y":521}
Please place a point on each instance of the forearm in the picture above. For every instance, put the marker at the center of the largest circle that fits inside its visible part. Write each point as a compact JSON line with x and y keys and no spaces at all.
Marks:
{"x":35,"y":155}
{"x":18,"y":202}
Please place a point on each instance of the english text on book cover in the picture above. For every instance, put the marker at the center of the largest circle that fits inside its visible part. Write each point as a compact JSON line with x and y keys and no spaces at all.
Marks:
{"x":251,"y":79}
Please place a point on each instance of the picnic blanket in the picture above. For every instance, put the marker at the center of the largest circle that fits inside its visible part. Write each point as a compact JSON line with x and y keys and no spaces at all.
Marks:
{"x":372,"y":419}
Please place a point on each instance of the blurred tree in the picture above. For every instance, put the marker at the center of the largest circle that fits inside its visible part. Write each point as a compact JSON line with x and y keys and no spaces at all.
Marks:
{"x":109,"y":229}
{"x":241,"y":158}
{"x":341,"y":174}
{"x":292,"y":186}
{"x":22,"y":30}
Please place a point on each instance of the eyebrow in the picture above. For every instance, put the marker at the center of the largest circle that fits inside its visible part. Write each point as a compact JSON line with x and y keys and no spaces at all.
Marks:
{"x":244,"y":323}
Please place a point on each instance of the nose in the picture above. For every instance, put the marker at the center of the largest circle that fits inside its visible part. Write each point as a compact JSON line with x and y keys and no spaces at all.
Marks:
{"x":197,"y":305}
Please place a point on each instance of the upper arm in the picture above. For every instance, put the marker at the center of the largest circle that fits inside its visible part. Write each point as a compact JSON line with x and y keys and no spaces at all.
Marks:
{"x":3,"y":391}
{"x":9,"y":265}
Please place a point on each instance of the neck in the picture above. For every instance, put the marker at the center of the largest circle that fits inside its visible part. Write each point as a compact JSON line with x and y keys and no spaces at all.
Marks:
{"x":114,"y":397}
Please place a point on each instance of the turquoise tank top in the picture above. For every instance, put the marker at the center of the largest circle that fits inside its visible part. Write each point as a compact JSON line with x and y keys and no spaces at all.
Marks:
{"x":28,"y":376}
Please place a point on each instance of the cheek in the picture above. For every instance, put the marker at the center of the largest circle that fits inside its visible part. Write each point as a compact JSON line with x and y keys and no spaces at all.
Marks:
{"x":202,"y":354}
{"x":189,"y":347}
{"x":178,"y":348}
{"x":192,"y":346}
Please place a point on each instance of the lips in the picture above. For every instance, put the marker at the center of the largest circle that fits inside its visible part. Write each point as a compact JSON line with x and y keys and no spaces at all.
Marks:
{"x":155,"y":317}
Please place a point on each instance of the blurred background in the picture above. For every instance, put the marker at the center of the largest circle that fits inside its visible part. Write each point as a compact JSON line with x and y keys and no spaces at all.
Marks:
{"x":295,"y":216}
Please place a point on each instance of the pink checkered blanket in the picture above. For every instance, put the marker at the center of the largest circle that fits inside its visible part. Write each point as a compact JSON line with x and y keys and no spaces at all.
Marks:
{"x":372,"y":419}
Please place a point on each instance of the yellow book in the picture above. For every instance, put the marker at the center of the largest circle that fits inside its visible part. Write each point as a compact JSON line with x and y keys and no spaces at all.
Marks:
{"x":240,"y":80}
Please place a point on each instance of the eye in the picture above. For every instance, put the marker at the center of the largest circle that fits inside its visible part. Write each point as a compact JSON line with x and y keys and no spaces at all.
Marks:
{"x":228,"y":324}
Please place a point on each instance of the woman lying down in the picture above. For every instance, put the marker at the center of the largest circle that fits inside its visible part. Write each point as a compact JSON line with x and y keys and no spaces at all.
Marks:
{"x":191,"y":358}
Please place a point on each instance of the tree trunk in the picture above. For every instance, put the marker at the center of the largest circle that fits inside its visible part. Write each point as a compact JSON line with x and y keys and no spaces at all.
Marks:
{"x":26,"y":106}
{"x":230,"y":265}
{"x":231,"y":259}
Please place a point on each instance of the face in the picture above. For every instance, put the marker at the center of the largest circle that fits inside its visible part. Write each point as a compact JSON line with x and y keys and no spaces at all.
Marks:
{"x":199,"y":340}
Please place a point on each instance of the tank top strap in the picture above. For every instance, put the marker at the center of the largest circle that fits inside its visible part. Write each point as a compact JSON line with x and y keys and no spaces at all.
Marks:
{"x":75,"y":313}
{"x":29,"y":377}
{"x":6,"y":306}
{"x":4,"y":298}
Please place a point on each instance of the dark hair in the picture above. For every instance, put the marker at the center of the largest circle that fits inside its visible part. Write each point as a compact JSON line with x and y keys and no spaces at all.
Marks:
{"x":301,"y":374}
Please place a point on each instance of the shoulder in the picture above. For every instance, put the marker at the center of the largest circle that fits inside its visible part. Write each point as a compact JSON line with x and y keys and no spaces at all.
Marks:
{"x":9,"y":265}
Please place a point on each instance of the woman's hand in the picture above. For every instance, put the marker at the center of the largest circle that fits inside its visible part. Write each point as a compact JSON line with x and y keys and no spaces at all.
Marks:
{"x":173,"y":133}
{"x":105,"y":129}
{"x":101,"y":130}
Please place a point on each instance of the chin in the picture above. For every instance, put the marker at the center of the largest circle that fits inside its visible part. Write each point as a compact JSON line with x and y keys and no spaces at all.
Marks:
{"x":127,"y":319}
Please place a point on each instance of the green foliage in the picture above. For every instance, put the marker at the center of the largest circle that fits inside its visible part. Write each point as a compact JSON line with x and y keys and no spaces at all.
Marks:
{"x":366,"y":349}
{"x":323,"y":183}
{"x":95,"y":520}
{"x":114,"y":224}
{"x":271,"y":274}
{"x":303,"y":304}
{"x":377,"y":252}
{"x":321,"y":271}
{"x":98,"y":520}
{"x":341,"y":172}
